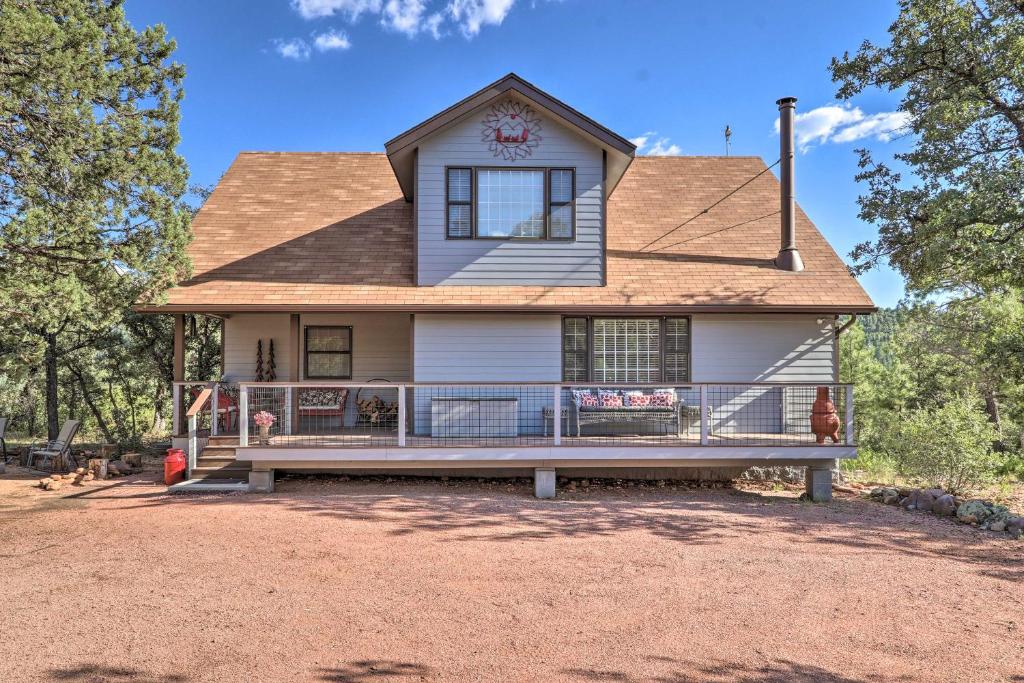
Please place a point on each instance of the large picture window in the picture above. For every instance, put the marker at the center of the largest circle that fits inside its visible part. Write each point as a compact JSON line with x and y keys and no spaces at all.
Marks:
{"x":510,"y":203}
{"x":328,"y":352}
{"x":626,"y":350}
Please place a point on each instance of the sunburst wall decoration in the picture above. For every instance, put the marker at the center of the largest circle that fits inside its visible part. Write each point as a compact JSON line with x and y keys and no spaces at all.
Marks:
{"x":512,"y":130}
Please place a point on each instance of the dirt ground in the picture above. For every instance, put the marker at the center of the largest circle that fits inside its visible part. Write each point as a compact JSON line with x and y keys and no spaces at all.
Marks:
{"x":367,"y":580}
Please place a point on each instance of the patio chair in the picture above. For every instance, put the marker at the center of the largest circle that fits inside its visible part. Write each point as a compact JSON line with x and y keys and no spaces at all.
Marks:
{"x":3,"y":444}
{"x":58,"y":447}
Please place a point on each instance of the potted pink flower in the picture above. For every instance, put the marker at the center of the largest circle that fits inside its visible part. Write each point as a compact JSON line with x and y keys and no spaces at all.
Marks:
{"x":263,"y":420}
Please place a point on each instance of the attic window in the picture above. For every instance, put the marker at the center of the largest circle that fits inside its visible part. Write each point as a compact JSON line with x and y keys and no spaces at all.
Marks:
{"x":510,"y":203}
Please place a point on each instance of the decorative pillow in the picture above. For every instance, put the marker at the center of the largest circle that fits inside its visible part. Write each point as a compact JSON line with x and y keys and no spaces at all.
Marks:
{"x":637,"y":399}
{"x":610,"y":399}
{"x":580,"y":395}
{"x":321,"y":398}
{"x":663,"y":398}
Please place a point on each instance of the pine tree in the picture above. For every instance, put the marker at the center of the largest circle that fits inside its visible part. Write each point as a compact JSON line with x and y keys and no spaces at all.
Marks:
{"x":91,"y":212}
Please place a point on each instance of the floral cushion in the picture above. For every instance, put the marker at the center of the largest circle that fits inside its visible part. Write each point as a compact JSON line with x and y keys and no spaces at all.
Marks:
{"x":610,"y":399}
{"x":322,"y":398}
{"x":580,"y":395}
{"x":663,"y":398}
{"x":637,"y":399}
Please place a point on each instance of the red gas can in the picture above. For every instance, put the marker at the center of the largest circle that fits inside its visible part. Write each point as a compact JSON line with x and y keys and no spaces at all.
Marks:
{"x":174,"y":466}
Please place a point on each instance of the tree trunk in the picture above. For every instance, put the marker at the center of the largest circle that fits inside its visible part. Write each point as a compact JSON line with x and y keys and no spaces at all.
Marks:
{"x":93,"y":408}
{"x":158,"y":409}
{"x":992,"y":408}
{"x":52,"y":419}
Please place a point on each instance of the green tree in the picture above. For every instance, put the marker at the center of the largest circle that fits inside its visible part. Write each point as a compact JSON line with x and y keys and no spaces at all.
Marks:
{"x":91,"y":212}
{"x":958,"y":219}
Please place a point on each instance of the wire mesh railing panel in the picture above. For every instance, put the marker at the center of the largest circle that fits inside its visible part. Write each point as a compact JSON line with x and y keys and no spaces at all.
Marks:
{"x":630,"y":415}
{"x":498,"y":415}
{"x":323,"y":416}
{"x":481,"y":415}
{"x":783,"y":415}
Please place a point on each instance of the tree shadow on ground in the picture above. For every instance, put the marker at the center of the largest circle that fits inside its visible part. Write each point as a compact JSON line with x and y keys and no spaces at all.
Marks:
{"x":469,"y":512}
{"x":372,"y":669}
{"x":720,"y":671}
{"x":100,"y":672}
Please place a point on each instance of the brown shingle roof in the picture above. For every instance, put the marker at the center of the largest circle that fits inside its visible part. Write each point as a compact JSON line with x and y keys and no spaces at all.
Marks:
{"x":290,"y":231}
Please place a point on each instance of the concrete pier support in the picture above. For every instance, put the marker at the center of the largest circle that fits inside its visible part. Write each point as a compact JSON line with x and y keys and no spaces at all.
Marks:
{"x":261,"y":481}
{"x":818,"y":482}
{"x":544,"y":482}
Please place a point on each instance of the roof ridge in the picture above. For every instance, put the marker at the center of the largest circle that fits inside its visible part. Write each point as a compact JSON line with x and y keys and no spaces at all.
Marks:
{"x":270,"y":151}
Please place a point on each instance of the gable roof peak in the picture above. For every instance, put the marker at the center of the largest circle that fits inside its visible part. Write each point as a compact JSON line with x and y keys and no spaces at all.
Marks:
{"x":400,"y":148}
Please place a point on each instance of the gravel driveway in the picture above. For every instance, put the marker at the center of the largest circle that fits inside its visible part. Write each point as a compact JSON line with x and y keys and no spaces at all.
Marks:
{"x":421,"y":581}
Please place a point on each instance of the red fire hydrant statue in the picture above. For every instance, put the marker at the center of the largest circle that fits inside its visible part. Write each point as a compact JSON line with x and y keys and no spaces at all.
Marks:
{"x":824,"y":419}
{"x":174,"y":466}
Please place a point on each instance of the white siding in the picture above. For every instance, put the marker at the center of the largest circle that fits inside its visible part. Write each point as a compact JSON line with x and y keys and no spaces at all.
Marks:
{"x":380,"y":345}
{"x":241,"y":332}
{"x":488,"y":348}
{"x":762,"y":348}
{"x":491,"y":262}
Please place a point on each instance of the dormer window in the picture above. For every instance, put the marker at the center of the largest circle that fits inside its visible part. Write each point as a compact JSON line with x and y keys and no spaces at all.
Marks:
{"x":510,"y":203}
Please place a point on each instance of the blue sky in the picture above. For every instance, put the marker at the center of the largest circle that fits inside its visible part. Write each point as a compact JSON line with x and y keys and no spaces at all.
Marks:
{"x":346,"y":75}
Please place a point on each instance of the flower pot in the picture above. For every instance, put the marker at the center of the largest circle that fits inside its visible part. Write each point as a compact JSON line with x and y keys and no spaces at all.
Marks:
{"x":264,"y":435}
{"x":824,"y":419}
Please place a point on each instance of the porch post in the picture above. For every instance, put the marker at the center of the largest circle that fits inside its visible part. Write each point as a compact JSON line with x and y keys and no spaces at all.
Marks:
{"x":401,"y":416}
{"x":179,"y":370}
{"x":544,"y":482}
{"x":849,"y":415}
{"x":705,"y":428}
{"x":243,"y":415}
{"x":213,"y":408}
{"x":557,"y":426}
{"x":293,"y":374}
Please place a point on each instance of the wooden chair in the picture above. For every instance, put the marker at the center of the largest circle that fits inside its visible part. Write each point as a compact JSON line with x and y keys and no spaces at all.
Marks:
{"x":3,"y":444}
{"x":58,"y":447}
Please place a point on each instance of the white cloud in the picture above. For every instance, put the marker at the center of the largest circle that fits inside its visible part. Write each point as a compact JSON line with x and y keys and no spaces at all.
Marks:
{"x":412,"y":17}
{"x":844,"y":123}
{"x":660,"y":147}
{"x":331,"y":40}
{"x":314,"y":9}
{"x":296,"y":49}
{"x":883,"y":126}
{"x":470,"y":15}
{"x":405,"y":16}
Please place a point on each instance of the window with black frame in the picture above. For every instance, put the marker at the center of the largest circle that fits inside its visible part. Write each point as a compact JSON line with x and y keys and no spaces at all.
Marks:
{"x":510,"y":203}
{"x":626,"y":350}
{"x":328,"y":352}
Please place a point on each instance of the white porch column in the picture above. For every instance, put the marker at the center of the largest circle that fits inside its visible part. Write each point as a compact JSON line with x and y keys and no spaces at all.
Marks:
{"x":557,"y":427}
{"x":705,"y":427}
{"x":213,"y":409}
{"x":289,"y":393}
{"x":243,"y":415}
{"x":849,"y":415}
{"x":401,"y":416}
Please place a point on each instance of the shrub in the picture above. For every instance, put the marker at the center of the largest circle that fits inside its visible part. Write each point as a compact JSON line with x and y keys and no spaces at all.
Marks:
{"x":949,"y":446}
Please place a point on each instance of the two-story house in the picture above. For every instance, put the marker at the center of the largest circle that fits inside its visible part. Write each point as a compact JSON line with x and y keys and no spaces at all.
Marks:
{"x":508,"y":287}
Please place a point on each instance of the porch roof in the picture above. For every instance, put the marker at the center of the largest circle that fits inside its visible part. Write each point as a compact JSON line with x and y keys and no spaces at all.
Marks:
{"x":332,"y":231}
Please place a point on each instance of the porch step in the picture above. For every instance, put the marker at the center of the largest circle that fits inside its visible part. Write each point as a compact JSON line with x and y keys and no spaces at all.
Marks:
{"x":210,"y":486}
{"x":235,"y":470}
{"x":229,"y":440}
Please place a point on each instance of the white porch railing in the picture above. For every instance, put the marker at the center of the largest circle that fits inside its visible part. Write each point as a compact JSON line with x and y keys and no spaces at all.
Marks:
{"x":411,"y":415}
{"x":223,"y":403}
